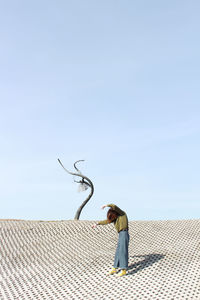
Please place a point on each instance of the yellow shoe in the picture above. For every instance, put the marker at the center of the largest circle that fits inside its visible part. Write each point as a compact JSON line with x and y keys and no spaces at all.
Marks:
{"x":122,"y":273}
{"x":112,"y":271}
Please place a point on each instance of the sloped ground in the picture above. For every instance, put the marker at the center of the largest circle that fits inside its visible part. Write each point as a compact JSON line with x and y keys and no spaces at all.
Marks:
{"x":69,"y":260}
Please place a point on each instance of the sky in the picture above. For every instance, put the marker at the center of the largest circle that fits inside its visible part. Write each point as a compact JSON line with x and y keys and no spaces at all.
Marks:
{"x":112,"y":82}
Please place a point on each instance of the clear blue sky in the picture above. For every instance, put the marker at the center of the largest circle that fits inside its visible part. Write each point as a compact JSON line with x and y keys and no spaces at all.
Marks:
{"x":113,"y":82}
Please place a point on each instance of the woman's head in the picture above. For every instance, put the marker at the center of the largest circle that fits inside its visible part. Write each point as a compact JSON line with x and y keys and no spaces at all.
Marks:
{"x":112,"y":215}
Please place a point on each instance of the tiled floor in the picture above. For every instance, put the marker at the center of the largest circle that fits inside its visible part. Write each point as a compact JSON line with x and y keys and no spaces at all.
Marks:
{"x":70,"y":260}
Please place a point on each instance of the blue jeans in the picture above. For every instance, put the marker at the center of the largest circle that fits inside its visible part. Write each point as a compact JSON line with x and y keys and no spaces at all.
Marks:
{"x":121,"y":255}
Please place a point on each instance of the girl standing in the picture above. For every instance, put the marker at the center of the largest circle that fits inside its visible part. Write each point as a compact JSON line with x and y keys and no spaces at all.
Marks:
{"x":119,"y":218}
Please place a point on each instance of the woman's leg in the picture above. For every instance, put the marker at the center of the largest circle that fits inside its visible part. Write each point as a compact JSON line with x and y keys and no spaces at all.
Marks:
{"x":123,"y":249}
{"x":116,"y":260}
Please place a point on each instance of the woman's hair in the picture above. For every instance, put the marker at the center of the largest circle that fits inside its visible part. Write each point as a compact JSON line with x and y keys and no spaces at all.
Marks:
{"x":112,"y":215}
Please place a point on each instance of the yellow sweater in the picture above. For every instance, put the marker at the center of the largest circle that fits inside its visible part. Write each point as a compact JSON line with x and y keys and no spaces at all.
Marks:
{"x":121,"y":223}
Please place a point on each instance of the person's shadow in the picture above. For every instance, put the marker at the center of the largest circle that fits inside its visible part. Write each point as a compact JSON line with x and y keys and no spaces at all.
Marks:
{"x":146,"y":262}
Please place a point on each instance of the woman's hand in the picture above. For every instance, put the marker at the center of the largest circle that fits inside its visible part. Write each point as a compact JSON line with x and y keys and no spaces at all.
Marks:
{"x":94,"y":225}
{"x":105,"y":205}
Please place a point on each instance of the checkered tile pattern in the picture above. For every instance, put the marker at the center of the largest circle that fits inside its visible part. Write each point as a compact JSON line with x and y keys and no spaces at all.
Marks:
{"x":69,"y":260}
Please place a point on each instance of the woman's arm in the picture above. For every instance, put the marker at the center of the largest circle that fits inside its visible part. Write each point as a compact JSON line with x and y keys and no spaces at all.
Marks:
{"x":105,"y":222}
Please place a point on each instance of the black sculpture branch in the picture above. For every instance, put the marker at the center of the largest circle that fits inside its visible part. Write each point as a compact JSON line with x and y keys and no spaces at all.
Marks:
{"x":85,"y":180}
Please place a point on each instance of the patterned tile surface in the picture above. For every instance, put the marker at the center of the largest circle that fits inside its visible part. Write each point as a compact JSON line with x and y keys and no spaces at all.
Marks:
{"x":70,"y":260}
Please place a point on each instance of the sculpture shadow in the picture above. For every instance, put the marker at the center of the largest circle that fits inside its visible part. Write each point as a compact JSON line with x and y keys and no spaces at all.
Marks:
{"x":146,"y":262}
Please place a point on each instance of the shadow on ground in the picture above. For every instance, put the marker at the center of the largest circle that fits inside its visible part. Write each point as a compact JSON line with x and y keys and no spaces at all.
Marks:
{"x":146,"y":262}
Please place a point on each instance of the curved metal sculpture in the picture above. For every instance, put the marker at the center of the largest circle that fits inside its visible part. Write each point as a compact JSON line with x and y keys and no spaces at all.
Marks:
{"x":86,"y":182}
